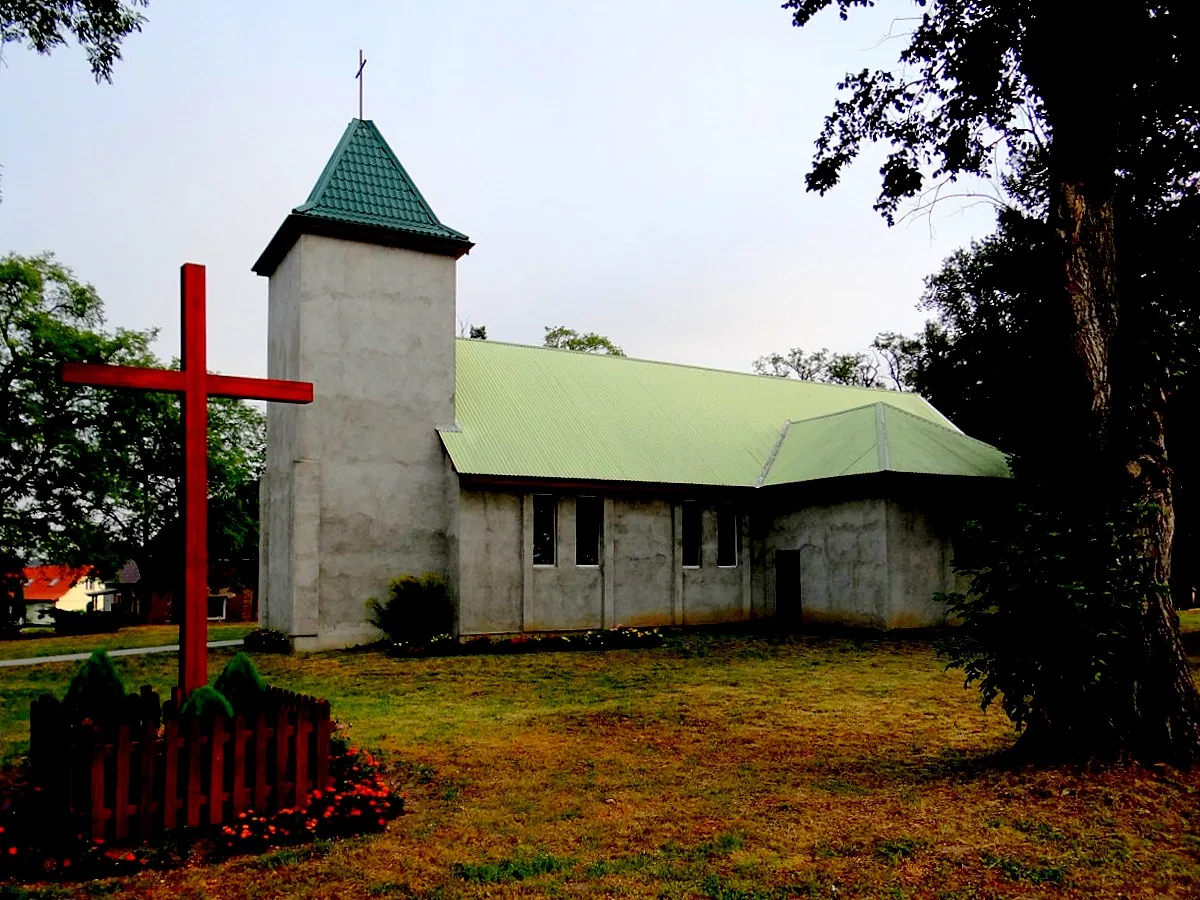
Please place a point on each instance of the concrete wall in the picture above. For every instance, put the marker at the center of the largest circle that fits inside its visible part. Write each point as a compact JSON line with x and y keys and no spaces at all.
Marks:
{"x":643,"y":532}
{"x":920,"y":558}
{"x":863,"y":561}
{"x":713,"y":593}
{"x":357,"y":489}
{"x":843,"y":559}
{"x":639,"y":581}
{"x":565,"y":596}
{"x":490,"y":579}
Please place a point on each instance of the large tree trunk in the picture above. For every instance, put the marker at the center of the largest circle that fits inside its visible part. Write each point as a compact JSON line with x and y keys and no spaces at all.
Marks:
{"x":1124,"y":456}
{"x":1166,"y":706}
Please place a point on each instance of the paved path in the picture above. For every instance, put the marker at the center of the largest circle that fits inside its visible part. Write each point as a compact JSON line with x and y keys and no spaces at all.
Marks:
{"x":128,"y":651}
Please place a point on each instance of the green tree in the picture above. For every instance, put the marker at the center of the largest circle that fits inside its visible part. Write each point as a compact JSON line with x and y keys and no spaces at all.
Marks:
{"x":899,"y":356}
{"x":1106,"y":101}
{"x":98,"y":26}
{"x":856,"y":369}
{"x":562,"y":338}
{"x":890,"y":362}
{"x":88,"y":475}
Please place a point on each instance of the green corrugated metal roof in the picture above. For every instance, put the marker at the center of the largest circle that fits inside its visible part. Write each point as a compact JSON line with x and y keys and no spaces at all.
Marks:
{"x":538,"y":413}
{"x":364,"y":184}
{"x":877,"y":438}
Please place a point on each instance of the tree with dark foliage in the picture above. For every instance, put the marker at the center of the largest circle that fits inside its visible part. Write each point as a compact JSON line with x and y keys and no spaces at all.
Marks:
{"x":90,"y":476}
{"x":1107,"y":99}
{"x":98,"y":26}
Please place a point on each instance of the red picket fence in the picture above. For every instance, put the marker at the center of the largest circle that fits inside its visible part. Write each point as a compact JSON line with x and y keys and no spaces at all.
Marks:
{"x":134,"y":776}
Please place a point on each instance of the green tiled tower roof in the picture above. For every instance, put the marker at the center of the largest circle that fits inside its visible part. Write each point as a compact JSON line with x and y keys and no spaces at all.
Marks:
{"x":365,"y":194}
{"x":364,"y":183}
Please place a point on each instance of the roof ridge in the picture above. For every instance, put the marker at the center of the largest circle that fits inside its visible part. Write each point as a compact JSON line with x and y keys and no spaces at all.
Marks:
{"x":842,"y":412}
{"x":883,"y":452}
{"x":331,"y":165}
{"x":679,"y":365}
{"x":391,"y":154}
{"x":951,"y":427}
{"x":774,"y":454}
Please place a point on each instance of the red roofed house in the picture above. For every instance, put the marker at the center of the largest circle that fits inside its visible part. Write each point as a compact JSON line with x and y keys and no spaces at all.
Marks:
{"x":57,"y":587}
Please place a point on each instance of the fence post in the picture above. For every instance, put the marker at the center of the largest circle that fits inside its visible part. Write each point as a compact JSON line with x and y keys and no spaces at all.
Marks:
{"x":195,"y":796}
{"x":303,"y":730}
{"x":216,"y":771}
{"x":170,"y":802}
{"x":282,"y":732}
{"x":97,"y":810}
{"x":324,"y":729}
{"x":239,"y":794}
{"x":149,"y":754}
{"x":261,"y":734}
{"x":122,"y":761}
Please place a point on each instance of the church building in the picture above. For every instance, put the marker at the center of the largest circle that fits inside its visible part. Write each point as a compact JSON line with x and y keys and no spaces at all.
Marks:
{"x":557,"y":490}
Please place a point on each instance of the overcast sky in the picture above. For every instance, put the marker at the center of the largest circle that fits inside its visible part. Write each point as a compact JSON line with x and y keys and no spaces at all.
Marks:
{"x":634,"y":168}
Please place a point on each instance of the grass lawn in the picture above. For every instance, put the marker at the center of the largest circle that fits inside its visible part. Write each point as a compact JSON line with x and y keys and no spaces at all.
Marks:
{"x":730,"y":768}
{"x":50,"y":644}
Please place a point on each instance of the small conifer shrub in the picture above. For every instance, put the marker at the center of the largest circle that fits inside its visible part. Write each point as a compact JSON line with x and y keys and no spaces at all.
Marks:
{"x":240,"y":684}
{"x":205,"y":703}
{"x":96,"y":692}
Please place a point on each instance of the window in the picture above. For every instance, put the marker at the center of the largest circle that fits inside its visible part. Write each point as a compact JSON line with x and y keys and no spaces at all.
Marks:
{"x":727,"y":537}
{"x":589,"y":525}
{"x":545,"y":529}
{"x":691,"y":535}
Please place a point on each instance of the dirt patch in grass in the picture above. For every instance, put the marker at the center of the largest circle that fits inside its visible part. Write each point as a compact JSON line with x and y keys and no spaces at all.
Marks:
{"x":725,"y":767}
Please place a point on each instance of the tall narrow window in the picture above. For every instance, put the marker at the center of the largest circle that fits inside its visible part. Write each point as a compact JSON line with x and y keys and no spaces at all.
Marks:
{"x":727,"y":537}
{"x":691,"y":534}
{"x":545,"y":529}
{"x":589,"y":525}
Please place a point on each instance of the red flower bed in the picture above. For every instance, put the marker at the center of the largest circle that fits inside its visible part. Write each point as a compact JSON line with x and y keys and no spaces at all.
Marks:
{"x":361,"y":800}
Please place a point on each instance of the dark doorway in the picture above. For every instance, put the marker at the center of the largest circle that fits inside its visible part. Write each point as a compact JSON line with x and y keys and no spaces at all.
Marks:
{"x":788,"y":604}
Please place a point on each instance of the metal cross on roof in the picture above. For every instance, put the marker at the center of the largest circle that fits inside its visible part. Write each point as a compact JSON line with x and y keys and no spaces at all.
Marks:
{"x":362,"y":62}
{"x":194,"y":383}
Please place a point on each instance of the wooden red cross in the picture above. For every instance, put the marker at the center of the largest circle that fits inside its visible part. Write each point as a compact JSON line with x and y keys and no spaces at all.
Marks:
{"x":196,"y":385}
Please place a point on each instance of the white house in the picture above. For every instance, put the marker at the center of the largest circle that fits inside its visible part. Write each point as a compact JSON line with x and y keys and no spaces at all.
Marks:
{"x":57,"y":587}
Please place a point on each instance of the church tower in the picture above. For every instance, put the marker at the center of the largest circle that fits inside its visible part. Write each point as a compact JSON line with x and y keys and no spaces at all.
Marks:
{"x":357,"y":489}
